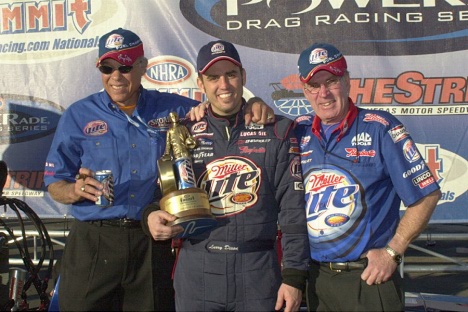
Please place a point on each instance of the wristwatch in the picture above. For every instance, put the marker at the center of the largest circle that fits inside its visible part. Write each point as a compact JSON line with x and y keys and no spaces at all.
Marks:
{"x":395,"y":255}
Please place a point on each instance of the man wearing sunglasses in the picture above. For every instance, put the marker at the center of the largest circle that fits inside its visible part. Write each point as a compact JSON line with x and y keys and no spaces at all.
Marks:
{"x":107,"y":261}
{"x":355,"y":164}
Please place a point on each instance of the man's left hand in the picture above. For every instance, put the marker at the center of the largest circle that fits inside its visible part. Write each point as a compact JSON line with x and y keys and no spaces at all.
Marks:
{"x":291,"y":295}
{"x":380,"y":267}
{"x":198,"y":112}
{"x":259,"y":112}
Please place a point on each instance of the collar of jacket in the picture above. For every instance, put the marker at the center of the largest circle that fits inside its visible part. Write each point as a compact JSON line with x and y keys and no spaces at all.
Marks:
{"x":344,"y":125}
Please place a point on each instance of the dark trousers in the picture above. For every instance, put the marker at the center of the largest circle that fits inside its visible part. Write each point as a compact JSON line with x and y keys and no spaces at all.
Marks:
{"x":106,"y":268}
{"x":163,"y":263}
{"x":346,"y":291}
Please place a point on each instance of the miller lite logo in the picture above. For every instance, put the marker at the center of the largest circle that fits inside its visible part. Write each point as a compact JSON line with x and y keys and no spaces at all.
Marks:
{"x":199,"y":127}
{"x":410,"y":151}
{"x":114,"y":41}
{"x":232,"y":185}
{"x":217,"y":48}
{"x":95,"y":128}
{"x":333,"y":204}
{"x":318,"y":56}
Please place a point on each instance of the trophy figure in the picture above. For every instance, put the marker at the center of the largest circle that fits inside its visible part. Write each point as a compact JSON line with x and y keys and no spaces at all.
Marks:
{"x":181,"y":197}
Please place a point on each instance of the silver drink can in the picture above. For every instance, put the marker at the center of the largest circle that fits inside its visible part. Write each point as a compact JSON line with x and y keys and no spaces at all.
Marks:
{"x":107,"y":179}
{"x":17,"y":280}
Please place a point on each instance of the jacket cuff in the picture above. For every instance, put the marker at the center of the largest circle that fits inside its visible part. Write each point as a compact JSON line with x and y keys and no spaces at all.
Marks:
{"x":295,"y":278}
{"x":144,"y":218}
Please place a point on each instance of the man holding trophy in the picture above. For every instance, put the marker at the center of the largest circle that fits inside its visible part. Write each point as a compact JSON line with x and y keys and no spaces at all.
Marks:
{"x":252,"y":177}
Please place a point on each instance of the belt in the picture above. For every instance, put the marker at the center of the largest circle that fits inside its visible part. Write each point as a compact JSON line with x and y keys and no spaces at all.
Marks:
{"x":122,"y":223}
{"x":229,"y":247}
{"x":344,"y":266}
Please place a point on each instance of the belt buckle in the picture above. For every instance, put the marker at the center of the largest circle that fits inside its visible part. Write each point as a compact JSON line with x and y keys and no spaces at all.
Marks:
{"x":332,"y":269}
{"x":126,"y":222}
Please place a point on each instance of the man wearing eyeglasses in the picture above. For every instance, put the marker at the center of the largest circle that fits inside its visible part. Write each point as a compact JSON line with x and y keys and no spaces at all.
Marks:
{"x":353,"y":163}
{"x":107,"y":261}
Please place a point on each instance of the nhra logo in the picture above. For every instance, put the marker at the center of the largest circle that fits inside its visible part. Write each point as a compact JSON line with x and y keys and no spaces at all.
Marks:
{"x":168,"y":70}
{"x":95,"y":128}
{"x":232,"y":185}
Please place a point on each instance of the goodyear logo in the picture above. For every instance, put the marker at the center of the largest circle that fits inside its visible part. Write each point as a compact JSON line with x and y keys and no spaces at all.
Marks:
{"x":25,"y":118}
{"x":168,"y":71}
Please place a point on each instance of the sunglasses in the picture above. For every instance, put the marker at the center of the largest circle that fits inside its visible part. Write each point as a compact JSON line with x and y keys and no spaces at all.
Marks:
{"x":107,"y":70}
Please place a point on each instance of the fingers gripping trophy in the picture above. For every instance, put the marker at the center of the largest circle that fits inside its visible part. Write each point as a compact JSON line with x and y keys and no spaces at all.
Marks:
{"x":181,"y":197}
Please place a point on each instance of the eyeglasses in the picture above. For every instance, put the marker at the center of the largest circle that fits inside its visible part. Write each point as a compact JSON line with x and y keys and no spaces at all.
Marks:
{"x":107,"y":70}
{"x":330,"y":84}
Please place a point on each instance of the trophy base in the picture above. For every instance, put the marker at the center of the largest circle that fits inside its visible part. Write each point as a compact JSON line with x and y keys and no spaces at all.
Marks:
{"x":192,"y":209}
{"x":194,"y":225}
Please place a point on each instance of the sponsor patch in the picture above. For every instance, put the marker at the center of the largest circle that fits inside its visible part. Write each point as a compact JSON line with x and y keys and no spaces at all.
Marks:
{"x":205,"y":142}
{"x":333,"y":204}
{"x":254,"y":126}
{"x":353,"y":152}
{"x":298,"y":186}
{"x":336,"y":219}
{"x":424,"y":179}
{"x":295,"y":168}
{"x":232,"y":185}
{"x":199,"y":127}
{"x":398,"y":133}
{"x":375,"y":117}
{"x":249,"y":150}
{"x":410,"y":151}
{"x":162,"y":123}
{"x":294,"y":150}
{"x":303,"y":118}
{"x":414,"y":169}
{"x":305,"y":140}
{"x":362,"y":139}
{"x":204,"y":135}
{"x":95,"y":128}
{"x":252,"y":133}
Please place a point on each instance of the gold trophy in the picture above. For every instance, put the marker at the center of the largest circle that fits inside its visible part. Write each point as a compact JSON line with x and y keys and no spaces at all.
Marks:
{"x":181,"y":197}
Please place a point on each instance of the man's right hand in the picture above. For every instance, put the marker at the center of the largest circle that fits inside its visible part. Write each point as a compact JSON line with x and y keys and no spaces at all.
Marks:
{"x":86,"y":186}
{"x":157,"y":224}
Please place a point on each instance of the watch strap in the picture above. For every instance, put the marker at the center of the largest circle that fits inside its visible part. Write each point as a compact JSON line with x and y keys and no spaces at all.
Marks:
{"x":395,"y":255}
